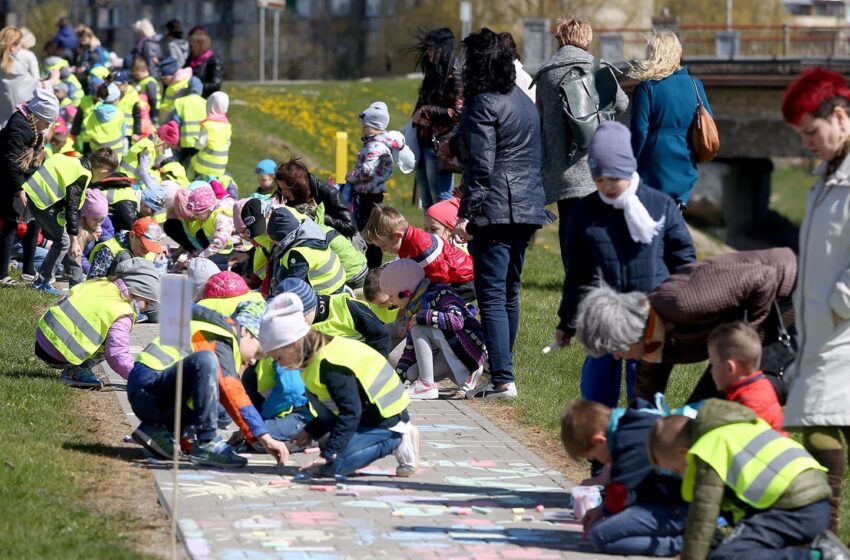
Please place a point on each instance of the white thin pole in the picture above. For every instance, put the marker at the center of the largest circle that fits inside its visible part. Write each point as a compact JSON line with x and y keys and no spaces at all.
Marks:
{"x":276,"y":50}
{"x":178,"y":409}
{"x":262,"y":44}
{"x":729,"y":15}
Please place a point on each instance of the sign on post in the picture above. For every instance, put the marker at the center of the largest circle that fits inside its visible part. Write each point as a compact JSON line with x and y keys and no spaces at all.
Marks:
{"x":175,"y":311}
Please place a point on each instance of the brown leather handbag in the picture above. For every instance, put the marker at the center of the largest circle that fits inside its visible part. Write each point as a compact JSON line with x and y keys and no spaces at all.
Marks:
{"x":704,"y":136}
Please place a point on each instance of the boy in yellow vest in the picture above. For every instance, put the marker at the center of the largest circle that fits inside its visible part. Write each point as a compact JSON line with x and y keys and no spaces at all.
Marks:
{"x":143,"y":239}
{"x":131,"y":105}
{"x":189,"y":112}
{"x":731,"y":461}
{"x":213,"y":143}
{"x":147,"y":86}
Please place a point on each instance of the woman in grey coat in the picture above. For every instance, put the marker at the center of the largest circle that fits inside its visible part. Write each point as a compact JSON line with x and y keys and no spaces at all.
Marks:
{"x":565,"y":181}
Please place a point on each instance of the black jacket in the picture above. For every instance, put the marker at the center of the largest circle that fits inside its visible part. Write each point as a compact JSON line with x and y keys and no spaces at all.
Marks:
{"x":337,"y":214}
{"x":210,"y":72}
{"x":367,"y":324}
{"x":15,"y":138}
{"x":500,"y":149}
{"x":124,"y":212}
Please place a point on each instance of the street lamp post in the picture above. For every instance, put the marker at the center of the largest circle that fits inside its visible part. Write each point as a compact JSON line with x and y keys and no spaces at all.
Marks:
{"x":465,"y":18}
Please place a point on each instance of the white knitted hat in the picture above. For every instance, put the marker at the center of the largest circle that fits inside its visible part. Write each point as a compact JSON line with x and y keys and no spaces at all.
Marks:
{"x":283,"y":323}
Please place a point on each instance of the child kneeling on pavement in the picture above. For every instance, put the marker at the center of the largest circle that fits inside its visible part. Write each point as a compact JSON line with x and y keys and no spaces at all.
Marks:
{"x":94,"y":322}
{"x":211,"y":374}
{"x":358,"y":399}
{"x":643,"y":512}
{"x":732,"y":461}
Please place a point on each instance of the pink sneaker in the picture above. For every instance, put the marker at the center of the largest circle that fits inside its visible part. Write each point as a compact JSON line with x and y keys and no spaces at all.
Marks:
{"x":421,"y":391}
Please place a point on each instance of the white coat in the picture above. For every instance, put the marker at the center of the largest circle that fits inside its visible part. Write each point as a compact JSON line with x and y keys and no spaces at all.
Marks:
{"x":820,"y":375}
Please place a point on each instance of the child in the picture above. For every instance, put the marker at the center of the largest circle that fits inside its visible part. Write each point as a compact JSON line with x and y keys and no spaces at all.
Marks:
{"x":118,"y":188}
{"x":643,"y":513}
{"x":147,"y":86}
{"x":225,"y":290}
{"x":374,"y":168}
{"x":211,"y":376}
{"x":441,"y":218}
{"x":731,"y":460}
{"x":213,"y":143}
{"x":66,"y":108}
{"x":211,"y":226}
{"x":142,"y":239}
{"x":105,"y":125}
{"x":189,"y":111}
{"x":95,"y":225}
{"x":131,"y":105}
{"x":176,"y":82}
{"x":444,"y":339}
{"x":94,"y":322}
{"x":265,"y":178}
{"x":74,"y":88}
{"x":166,"y":161}
{"x":734,"y":350}
{"x":60,"y":140}
{"x":443,"y":262}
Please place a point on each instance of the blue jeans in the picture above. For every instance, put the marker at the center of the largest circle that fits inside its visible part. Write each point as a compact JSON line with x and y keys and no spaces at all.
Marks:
{"x":367,"y":445}
{"x":498,"y":253}
{"x":151,"y":394}
{"x":774,"y":533}
{"x":284,"y":428}
{"x":58,"y":252}
{"x":433,"y":185}
{"x":600,"y":379}
{"x":641,"y":530}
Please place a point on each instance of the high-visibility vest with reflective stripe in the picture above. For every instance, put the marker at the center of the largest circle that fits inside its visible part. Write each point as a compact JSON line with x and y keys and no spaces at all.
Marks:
{"x":112,"y":244}
{"x":109,"y":134}
{"x":227,"y":306}
{"x":126,"y":103}
{"x":160,"y":356}
{"x":192,"y":109}
{"x":48,"y":185}
{"x":130,"y":162}
{"x":353,"y":261}
{"x":325,"y":273}
{"x":142,"y":86}
{"x":339,"y":321}
{"x":261,"y":255}
{"x":174,"y":171}
{"x":212,"y":159}
{"x":114,"y":196}
{"x":86,"y":106}
{"x":375,"y":375}
{"x":171,"y":93}
{"x":208,"y":227}
{"x":78,"y":325}
{"x":755,"y":461}
{"x":385,"y":314}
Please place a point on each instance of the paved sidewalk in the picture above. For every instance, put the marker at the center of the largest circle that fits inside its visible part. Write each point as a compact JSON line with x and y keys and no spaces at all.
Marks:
{"x":477,"y":496}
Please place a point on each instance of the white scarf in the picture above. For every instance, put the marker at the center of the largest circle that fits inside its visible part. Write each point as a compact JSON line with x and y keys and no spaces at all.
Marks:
{"x":641,"y":226}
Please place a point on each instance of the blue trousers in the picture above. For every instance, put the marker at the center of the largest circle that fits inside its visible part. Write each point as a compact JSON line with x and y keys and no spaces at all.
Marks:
{"x":641,"y":530}
{"x":433,"y":185}
{"x":151,"y":394}
{"x":601,"y":379}
{"x":284,"y":428}
{"x":774,"y":533}
{"x":498,"y":253}
{"x":367,"y":445}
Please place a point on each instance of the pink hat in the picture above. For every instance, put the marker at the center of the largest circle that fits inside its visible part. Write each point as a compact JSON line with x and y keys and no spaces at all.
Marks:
{"x":60,"y":127}
{"x":201,"y":200}
{"x":401,"y":277}
{"x":181,"y":204}
{"x":95,"y":205}
{"x":224,"y":285}
{"x":218,"y":189}
{"x":170,"y":133}
{"x":445,"y":212}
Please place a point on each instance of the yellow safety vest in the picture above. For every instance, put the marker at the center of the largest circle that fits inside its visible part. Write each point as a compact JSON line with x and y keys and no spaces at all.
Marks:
{"x":142,"y":86}
{"x":126,"y":103}
{"x":755,"y":461}
{"x":48,"y":185}
{"x":385,"y":314}
{"x":114,"y":196}
{"x":85,"y":108}
{"x":227,"y":306}
{"x":112,"y":244}
{"x":353,"y":261}
{"x":160,"y":357}
{"x":208,"y":227}
{"x":171,"y":93}
{"x":339,"y":321}
{"x":174,"y":171}
{"x":78,"y":325}
{"x":375,"y":375}
{"x":261,"y":256}
{"x":325,"y":274}
{"x":75,"y":90}
{"x":192,"y":110}
{"x":211,"y":160}
{"x":109,"y":134}
{"x":130,"y":162}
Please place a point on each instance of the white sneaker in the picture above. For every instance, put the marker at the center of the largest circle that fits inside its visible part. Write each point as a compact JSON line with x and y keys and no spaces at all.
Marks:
{"x":420,"y":391}
{"x":407,"y":453}
{"x":489,"y":391}
{"x":472,"y":380}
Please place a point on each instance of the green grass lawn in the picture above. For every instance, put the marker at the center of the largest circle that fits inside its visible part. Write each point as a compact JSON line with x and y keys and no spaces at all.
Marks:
{"x":788,"y":191}
{"x":42,"y":479}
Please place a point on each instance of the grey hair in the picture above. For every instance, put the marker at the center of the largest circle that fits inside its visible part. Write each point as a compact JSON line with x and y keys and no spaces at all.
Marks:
{"x":608,"y":321}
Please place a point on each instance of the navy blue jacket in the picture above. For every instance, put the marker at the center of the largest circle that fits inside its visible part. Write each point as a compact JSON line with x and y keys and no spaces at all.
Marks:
{"x":598,"y":243}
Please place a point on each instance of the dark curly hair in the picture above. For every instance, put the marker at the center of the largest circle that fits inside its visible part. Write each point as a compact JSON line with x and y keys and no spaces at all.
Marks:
{"x":442,"y":42}
{"x":489,"y":64}
{"x":293,"y":176}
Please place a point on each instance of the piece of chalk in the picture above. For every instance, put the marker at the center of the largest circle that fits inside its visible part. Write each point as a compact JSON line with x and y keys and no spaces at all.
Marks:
{"x":518,"y":510}
{"x":311,"y":450}
{"x":398,"y":514}
{"x":539,"y":509}
{"x":321,"y":488}
{"x":547,"y":349}
{"x":517,"y":518}
{"x":353,"y":493}
{"x":279,"y":482}
{"x":478,"y":509}
{"x":463,"y":511}
{"x":341,"y":486}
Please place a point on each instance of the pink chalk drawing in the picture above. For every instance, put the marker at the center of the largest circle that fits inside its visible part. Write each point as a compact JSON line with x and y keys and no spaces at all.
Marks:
{"x":475,"y":463}
{"x":312,"y":517}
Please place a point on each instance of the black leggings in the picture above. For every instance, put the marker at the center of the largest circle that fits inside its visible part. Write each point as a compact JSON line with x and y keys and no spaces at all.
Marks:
{"x":7,"y":238}
{"x":364,"y":202}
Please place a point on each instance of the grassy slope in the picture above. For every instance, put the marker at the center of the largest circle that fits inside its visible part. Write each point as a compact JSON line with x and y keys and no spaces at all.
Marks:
{"x":43,"y":481}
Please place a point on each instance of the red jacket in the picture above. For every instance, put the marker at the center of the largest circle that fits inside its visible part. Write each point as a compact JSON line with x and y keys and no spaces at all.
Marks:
{"x":757,"y":393}
{"x":443,"y":263}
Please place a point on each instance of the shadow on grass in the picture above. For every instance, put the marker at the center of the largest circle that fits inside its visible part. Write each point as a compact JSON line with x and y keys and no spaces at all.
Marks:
{"x":542,"y":284}
{"x":25,"y":372}
{"x":129,"y":454}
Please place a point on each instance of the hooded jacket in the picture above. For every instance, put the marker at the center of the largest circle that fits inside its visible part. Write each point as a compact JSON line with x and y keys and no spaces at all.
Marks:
{"x":710,"y":490}
{"x":375,"y":162}
{"x":337,"y":214}
{"x":285,"y":228}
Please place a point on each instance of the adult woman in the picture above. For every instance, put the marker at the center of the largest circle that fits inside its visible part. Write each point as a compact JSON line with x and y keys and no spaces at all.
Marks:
{"x":21,"y":154}
{"x":565,"y":179}
{"x":437,"y":110}
{"x":205,"y":62}
{"x":297,"y":186}
{"x":146,"y":47}
{"x":663,"y":109}
{"x":502,"y":204}
{"x":90,"y":52}
{"x":16,"y":82}
{"x":173,"y":44}
{"x":817,"y":106}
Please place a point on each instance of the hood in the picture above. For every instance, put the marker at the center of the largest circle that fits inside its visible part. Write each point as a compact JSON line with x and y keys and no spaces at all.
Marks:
{"x":392,"y":139}
{"x":105,"y":111}
{"x":566,"y":55}
{"x":183,"y":74}
{"x":716,"y":412}
{"x":289,"y":231}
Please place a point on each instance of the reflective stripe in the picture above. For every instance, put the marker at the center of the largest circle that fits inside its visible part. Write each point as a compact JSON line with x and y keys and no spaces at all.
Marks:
{"x":384,"y":376}
{"x":110,"y":144}
{"x":80,"y":322}
{"x":67,"y":338}
{"x":205,"y":163}
{"x":191,"y":123}
{"x":759,"y":486}
{"x":391,"y":397}
{"x":40,"y":193}
{"x":51,"y":181}
{"x":110,"y":196}
{"x":741,"y":458}
{"x":158,"y":353}
{"x":328,"y":266}
{"x":337,"y":279}
{"x":130,"y":168}
{"x":220,"y":153}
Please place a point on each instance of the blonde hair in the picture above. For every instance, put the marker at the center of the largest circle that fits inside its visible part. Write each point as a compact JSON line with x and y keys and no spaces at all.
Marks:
{"x":145,"y":27}
{"x":663,"y":57}
{"x":580,"y":422}
{"x":574,"y":32}
{"x":383,"y":222}
{"x":313,"y":343}
{"x":27,"y":39}
{"x":736,"y":341}
{"x":9,"y":37}
{"x":668,"y":435}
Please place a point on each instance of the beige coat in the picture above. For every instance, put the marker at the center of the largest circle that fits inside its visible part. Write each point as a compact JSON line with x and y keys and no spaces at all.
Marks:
{"x":820,"y":376}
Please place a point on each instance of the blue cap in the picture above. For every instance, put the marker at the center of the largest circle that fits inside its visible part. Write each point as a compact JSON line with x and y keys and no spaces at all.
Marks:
{"x":121,"y":77}
{"x":301,"y":289}
{"x":169,"y":66}
{"x":154,"y":198}
{"x":266,"y":167}
{"x":196,"y":86}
